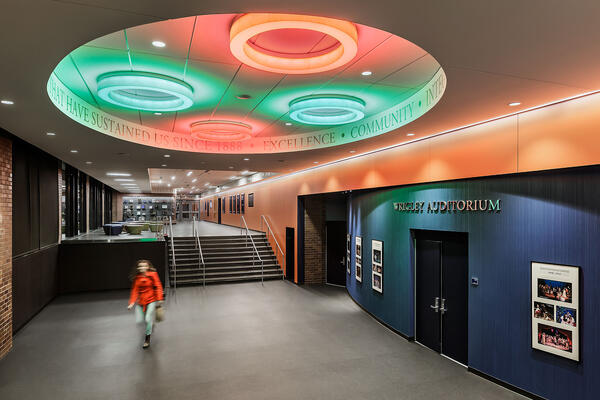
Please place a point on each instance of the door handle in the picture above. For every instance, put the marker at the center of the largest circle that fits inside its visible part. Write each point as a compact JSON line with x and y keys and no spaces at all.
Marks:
{"x":436,"y":304}
{"x":443,"y":308}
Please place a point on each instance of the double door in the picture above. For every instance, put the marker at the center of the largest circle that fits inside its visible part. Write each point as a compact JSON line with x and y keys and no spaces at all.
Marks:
{"x":441,"y":283}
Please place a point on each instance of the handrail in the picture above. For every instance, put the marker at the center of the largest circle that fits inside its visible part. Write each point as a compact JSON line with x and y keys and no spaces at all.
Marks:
{"x":263,"y":218}
{"x":200,"y":255}
{"x":173,"y":253}
{"x":262,"y":273}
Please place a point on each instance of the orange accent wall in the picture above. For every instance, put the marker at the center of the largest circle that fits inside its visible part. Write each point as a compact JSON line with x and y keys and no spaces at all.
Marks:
{"x":562,"y":135}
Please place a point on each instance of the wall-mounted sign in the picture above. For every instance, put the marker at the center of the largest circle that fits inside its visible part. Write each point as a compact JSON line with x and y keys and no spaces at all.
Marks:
{"x":377,"y":265}
{"x":449,"y":206}
{"x":555,"y":313}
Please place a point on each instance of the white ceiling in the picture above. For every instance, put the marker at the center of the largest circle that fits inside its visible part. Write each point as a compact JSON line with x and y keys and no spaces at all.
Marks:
{"x":493,"y":53}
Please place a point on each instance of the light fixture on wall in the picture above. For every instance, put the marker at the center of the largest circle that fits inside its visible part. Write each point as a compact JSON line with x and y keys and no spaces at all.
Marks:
{"x":144,"y":91}
{"x":221,"y":131}
{"x":327,"y":109}
{"x":251,"y":25}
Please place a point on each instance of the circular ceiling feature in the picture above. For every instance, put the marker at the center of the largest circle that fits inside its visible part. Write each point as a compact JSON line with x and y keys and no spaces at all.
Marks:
{"x":248,"y":26}
{"x":190,"y":94}
{"x":327,"y":109}
{"x":144,"y":91}
{"x":221,"y":131}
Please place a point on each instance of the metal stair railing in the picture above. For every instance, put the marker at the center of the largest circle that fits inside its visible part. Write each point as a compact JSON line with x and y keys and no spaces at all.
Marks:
{"x":269,"y":230}
{"x":262,"y":271}
{"x":173,"y":253}
{"x":200,"y":255}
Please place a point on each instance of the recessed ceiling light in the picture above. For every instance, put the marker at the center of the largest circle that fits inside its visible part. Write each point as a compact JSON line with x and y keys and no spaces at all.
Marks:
{"x":50,"y":134}
{"x":173,"y":178}
{"x":158,"y":43}
{"x":88,"y":162}
{"x":230,"y":167}
{"x":232,"y":177}
{"x":194,"y":180}
{"x":124,"y":180}
{"x":128,"y":184}
{"x":167,"y":155}
{"x":288,"y":124}
{"x":189,"y":173}
{"x":410,"y":134}
{"x":366,"y":73}
{"x":7,"y":102}
{"x":514,"y":104}
{"x":245,"y":172}
{"x":118,"y":174}
{"x":207,"y":183}
{"x":315,"y":162}
{"x":246,"y":159}
{"x":352,"y":151}
{"x":193,"y":187}
{"x":168,"y":184}
{"x":157,"y":113}
{"x":73,"y":151}
{"x":163,"y":165}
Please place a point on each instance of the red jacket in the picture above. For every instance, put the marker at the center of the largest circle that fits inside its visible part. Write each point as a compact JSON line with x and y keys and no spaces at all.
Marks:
{"x":146,"y":289}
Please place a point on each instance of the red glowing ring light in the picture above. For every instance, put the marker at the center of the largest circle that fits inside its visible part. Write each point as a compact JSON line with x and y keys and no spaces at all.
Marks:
{"x":221,"y":131}
{"x":249,"y":25}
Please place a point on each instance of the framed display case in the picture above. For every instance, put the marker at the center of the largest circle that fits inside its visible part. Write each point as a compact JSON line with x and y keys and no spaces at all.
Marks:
{"x":555,"y":313}
{"x":377,"y":265}
{"x":144,"y":208}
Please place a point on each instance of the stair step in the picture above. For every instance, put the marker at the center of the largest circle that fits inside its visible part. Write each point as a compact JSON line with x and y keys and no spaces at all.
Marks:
{"x":225,"y":273}
{"x":225,"y":268}
{"x":232,"y":279}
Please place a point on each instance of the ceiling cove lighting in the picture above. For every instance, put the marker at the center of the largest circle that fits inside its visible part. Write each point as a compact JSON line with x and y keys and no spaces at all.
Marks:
{"x":221,"y":131}
{"x":250,"y":25}
{"x":327,"y":109}
{"x":144,"y":91}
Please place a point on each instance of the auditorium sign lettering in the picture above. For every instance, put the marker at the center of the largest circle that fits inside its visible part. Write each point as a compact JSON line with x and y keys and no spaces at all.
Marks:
{"x":449,"y":206}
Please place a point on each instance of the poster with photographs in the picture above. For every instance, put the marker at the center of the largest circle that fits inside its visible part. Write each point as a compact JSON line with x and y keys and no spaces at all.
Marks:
{"x":555,"y":316}
{"x":377,"y":265}
{"x":348,"y":258}
{"x":358,"y":262}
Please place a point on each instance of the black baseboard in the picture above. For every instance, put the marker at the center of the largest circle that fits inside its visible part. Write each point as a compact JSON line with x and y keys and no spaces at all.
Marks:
{"x":409,"y":338}
{"x":505,"y":384}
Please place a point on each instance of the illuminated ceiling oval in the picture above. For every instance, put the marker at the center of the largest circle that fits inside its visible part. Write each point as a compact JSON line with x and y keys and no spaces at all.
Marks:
{"x":122,"y":86}
{"x":250,"y":25}
{"x":144,"y":91}
{"x":327,"y":109}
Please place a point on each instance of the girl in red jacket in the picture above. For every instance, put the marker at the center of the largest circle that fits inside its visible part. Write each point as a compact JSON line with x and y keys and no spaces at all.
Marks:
{"x":148,"y":293}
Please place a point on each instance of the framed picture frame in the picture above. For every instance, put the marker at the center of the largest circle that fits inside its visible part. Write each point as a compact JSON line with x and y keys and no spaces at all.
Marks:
{"x":348,"y":253}
{"x":555,"y":312}
{"x":358,"y":260}
{"x":250,"y":199}
{"x":377,"y":265}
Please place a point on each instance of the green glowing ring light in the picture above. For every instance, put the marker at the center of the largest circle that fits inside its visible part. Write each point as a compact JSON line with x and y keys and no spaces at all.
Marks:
{"x":327,"y":109}
{"x":145,"y":91}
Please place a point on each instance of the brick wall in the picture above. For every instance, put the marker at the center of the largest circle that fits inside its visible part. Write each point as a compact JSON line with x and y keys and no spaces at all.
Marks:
{"x":5,"y":246}
{"x":314,"y":240}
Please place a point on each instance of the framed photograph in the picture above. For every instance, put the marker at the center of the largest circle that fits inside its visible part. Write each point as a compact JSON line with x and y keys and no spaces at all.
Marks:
{"x":377,"y":265}
{"x":250,"y":199}
{"x":555,"y":316}
{"x":358,"y":261}
{"x":348,"y":255}
{"x":242,"y":202}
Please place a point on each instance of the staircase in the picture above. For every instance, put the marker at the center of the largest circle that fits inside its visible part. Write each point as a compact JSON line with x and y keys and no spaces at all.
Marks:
{"x":226,"y":258}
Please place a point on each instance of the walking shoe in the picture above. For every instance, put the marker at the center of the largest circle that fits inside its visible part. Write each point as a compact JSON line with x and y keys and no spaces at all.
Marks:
{"x":146,"y":342}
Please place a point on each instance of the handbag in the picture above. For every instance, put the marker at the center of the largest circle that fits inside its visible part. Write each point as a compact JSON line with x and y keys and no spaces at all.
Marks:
{"x":160,"y":314}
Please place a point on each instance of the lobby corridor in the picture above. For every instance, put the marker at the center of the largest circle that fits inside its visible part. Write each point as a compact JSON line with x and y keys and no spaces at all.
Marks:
{"x":240,"y":341}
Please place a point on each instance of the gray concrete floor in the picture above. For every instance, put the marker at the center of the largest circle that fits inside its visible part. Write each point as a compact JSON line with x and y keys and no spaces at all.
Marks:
{"x":240,"y":341}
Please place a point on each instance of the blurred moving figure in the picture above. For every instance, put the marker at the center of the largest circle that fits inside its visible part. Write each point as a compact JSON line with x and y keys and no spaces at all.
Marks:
{"x":147,"y":291}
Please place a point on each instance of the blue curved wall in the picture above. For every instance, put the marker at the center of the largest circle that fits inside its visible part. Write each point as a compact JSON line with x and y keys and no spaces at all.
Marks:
{"x":551,"y":217}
